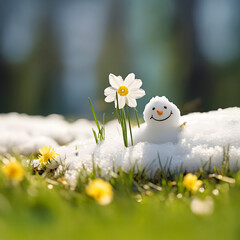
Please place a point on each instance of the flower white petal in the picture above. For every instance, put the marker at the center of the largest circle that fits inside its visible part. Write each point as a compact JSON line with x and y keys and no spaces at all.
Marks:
{"x":132,"y":92}
{"x":115,"y":101}
{"x":109,"y":90}
{"x":121,"y":101}
{"x":110,"y":98}
{"x":114,"y":81}
{"x":137,"y":93}
{"x":120,"y":81}
{"x":136,"y":84}
{"x":129,"y":80}
{"x":131,"y":102}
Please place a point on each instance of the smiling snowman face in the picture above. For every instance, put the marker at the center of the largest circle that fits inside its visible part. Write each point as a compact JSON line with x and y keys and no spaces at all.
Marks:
{"x":160,"y":112}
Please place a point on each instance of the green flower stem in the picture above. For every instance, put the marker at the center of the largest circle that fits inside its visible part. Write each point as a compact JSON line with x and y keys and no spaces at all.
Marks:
{"x":129,"y":124}
{"x":122,"y":120}
{"x":117,"y":109}
{"x":124,"y":127}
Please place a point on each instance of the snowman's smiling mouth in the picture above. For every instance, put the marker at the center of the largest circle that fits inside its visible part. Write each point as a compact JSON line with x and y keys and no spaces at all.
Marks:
{"x":159,"y":120}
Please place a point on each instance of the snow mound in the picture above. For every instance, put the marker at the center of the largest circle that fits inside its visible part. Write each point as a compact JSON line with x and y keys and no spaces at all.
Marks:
{"x":26,"y":134}
{"x":201,"y":144}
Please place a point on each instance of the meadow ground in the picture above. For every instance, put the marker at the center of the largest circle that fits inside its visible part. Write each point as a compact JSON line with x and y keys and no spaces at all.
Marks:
{"x":43,"y":207}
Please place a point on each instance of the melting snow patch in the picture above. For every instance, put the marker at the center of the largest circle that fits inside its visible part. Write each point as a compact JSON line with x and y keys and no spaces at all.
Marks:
{"x":26,"y":134}
{"x":200,"y":144}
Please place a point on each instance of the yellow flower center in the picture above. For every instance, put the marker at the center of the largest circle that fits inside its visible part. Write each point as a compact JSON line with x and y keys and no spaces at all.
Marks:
{"x":123,"y":91}
{"x":14,"y":170}
{"x":100,"y":190}
{"x":47,"y":154}
{"x":192,"y":183}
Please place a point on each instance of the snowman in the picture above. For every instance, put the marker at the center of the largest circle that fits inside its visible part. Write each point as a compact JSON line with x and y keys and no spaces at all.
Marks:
{"x":162,"y":122}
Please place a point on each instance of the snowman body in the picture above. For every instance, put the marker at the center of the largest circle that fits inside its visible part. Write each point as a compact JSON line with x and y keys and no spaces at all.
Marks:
{"x":162,"y":122}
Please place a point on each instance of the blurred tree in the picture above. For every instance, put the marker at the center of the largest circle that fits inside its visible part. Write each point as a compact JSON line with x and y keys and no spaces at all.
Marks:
{"x":54,"y":54}
{"x":35,"y":86}
{"x":6,"y":83}
{"x":114,"y":57}
{"x":197,"y":78}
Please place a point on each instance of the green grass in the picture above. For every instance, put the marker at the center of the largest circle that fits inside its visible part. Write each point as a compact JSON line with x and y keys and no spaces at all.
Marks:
{"x":142,"y":208}
{"x":100,"y":136}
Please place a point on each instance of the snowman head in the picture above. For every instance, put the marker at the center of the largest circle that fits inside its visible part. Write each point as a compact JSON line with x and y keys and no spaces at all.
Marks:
{"x":159,"y":112}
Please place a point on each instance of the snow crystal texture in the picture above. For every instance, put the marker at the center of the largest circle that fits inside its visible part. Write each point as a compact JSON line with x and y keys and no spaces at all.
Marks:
{"x":201,"y":143}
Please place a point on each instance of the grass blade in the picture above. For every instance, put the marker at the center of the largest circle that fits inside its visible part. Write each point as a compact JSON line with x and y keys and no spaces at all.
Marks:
{"x":136,"y":115}
{"x":101,"y":131}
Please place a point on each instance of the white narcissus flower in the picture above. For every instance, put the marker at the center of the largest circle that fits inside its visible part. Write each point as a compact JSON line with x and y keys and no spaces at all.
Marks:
{"x":128,"y":90}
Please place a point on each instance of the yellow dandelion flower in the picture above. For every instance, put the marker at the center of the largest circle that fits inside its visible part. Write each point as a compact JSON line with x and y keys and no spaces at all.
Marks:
{"x":13,"y":170}
{"x":100,"y":190}
{"x":191,"y":182}
{"x":47,"y":154}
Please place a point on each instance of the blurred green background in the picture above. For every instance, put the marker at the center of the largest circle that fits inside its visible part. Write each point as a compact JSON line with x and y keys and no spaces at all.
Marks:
{"x":56,"y":54}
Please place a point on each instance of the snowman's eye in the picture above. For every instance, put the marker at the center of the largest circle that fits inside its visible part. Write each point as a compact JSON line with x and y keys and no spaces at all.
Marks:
{"x":165,"y":107}
{"x":153,"y":108}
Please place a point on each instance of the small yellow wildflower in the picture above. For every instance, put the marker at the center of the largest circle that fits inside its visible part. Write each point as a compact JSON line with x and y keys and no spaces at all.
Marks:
{"x":47,"y":154}
{"x":182,"y":126}
{"x":191,"y":182}
{"x":100,"y":190}
{"x":13,"y":170}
